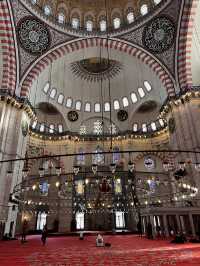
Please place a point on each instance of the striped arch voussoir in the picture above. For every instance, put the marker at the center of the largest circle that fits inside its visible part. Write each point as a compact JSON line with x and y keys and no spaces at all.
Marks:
{"x":94,"y":42}
{"x":185,"y":43}
{"x":8,"y":48}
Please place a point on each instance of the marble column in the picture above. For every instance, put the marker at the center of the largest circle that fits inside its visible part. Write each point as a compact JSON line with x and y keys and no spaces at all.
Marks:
{"x":178,"y":222}
{"x":165,"y":225}
{"x":192,"y":225}
{"x":13,"y":142}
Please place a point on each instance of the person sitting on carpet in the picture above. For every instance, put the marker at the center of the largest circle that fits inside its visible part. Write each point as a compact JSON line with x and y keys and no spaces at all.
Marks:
{"x":180,"y":238}
{"x":81,"y":236}
{"x":24,"y":230}
{"x":99,"y":241}
{"x":44,"y":235}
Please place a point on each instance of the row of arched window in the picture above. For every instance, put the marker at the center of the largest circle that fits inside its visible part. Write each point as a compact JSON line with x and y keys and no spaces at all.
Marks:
{"x":153,"y":126}
{"x":87,"y":106}
{"x":51,"y":128}
{"x":97,"y":158}
{"x":89,"y":20}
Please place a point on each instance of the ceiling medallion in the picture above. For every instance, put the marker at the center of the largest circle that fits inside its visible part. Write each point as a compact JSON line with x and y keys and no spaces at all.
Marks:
{"x":33,"y":35}
{"x":159,"y":34}
{"x":72,"y":116}
{"x":96,"y":69}
{"x":122,"y":115}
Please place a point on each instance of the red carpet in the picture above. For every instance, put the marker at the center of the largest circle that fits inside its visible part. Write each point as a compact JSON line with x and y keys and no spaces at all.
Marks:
{"x":125,"y":251}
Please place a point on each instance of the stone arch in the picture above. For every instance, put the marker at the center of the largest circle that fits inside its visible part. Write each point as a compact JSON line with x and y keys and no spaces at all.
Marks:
{"x":73,"y":46}
{"x":9,"y":75}
{"x":185,"y":43}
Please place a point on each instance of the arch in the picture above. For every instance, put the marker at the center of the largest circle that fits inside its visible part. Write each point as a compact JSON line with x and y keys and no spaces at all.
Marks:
{"x":73,"y":46}
{"x":185,"y":43}
{"x":7,"y":39}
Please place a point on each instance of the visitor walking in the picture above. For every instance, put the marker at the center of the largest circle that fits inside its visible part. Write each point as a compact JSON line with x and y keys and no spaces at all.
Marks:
{"x":24,"y":230}
{"x":44,"y":235}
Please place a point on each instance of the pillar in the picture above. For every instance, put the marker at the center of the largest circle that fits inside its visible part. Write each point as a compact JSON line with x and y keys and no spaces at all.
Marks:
{"x":192,"y":225}
{"x":184,"y":125}
{"x":14,"y":124}
{"x":153,"y":226}
{"x":178,"y":222}
{"x":165,"y":225}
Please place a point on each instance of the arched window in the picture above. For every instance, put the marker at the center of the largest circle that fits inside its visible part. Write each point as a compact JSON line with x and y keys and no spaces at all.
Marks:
{"x":44,"y":187}
{"x":51,"y":128}
{"x":119,"y":219}
{"x":69,"y":103}
{"x":116,"y":155}
{"x":75,"y":23}
{"x":107,"y":107}
{"x":34,"y":124}
{"x":47,"y":10}
{"x":97,"y":107}
{"x":125,"y":101}
{"x":112,"y":129}
{"x":156,"y":2}
{"x":153,"y":126}
{"x":60,"y":128}
{"x":118,"y":186}
{"x":161,"y":121}
{"x":61,"y":18}
{"x":88,"y":107}
{"x":78,"y":105}
{"x":147,"y":85}
{"x":41,"y":127}
{"x":80,"y":220}
{"x":144,"y":9}
{"x":83,"y":129}
{"x":98,"y":127}
{"x":116,"y":105}
{"x":79,"y":187}
{"x":116,"y":23}
{"x":46,"y":87}
{"x":60,"y":98}
{"x":80,"y":159}
{"x":144,"y":127}
{"x":41,"y":220}
{"x":89,"y":25}
{"x":134,"y":97}
{"x":130,"y":17}
{"x":98,"y":158}
{"x":141,"y":92}
{"x":53,"y":93}
{"x":102,"y":25}
{"x":135,"y":127}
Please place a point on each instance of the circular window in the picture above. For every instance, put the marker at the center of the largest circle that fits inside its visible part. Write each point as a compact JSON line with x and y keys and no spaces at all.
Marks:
{"x":149,"y":163}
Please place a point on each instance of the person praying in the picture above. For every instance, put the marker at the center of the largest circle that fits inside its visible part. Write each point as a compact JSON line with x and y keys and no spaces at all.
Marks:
{"x":99,"y":241}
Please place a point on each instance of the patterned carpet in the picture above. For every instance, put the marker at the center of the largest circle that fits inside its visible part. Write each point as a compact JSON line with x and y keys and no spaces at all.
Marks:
{"x":129,"y":250}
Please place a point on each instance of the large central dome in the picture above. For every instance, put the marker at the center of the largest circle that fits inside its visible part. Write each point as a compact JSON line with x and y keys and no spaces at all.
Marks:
{"x":95,"y":16}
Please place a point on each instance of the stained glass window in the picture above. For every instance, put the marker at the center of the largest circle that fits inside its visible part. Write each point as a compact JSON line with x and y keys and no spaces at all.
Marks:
{"x":80,"y":159}
{"x":98,"y":158}
{"x":116,"y":155}
{"x":79,"y":187}
{"x":118,"y":186}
